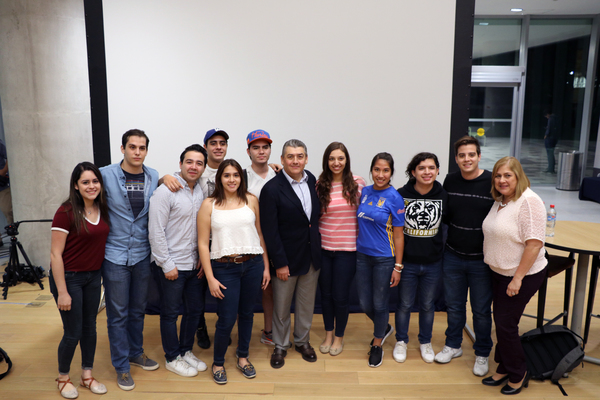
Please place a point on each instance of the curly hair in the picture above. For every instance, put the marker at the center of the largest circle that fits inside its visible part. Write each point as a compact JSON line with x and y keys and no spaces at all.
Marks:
{"x":418,"y":159}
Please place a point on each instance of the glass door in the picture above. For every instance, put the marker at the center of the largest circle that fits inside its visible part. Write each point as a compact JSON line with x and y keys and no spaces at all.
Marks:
{"x":491,"y":121}
{"x":493,"y":116}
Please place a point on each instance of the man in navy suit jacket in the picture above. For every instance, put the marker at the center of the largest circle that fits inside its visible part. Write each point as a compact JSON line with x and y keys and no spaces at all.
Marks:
{"x":289,"y":218}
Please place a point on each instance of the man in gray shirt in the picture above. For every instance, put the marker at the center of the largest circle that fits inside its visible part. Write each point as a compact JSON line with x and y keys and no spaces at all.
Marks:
{"x":174,"y":241}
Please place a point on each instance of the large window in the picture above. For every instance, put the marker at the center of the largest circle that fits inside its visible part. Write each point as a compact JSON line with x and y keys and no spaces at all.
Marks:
{"x":496,"y":41}
{"x":551,"y":90}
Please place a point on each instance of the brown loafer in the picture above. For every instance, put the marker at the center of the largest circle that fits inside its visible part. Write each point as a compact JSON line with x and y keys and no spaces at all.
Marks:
{"x":278,"y":358}
{"x":308,"y":353}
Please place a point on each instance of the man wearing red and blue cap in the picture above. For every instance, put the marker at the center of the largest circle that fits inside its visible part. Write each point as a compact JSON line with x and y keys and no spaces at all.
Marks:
{"x":259,"y":151}
{"x":257,"y":174}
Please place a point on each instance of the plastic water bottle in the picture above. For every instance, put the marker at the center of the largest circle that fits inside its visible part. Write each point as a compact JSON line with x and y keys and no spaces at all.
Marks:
{"x":551,"y":221}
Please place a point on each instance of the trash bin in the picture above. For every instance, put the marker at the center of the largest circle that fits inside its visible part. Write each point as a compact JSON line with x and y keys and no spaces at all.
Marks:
{"x":569,"y":170}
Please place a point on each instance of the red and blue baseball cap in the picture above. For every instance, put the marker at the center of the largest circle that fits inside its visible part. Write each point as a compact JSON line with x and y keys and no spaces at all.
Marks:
{"x":257,"y":135}
{"x":214,"y":132}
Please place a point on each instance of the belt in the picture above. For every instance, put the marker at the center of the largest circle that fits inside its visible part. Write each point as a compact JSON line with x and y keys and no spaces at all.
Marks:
{"x":236,"y":259}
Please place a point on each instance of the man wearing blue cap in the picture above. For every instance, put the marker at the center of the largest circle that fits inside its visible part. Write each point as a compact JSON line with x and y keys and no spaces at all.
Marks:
{"x":215,"y":143}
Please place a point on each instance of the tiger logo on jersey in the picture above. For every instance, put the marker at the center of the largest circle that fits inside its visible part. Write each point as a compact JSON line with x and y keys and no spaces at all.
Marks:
{"x":423,"y":217}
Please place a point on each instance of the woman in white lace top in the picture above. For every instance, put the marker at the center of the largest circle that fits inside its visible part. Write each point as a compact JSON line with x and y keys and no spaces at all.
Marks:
{"x":514,"y":233}
{"x":235,"y":264}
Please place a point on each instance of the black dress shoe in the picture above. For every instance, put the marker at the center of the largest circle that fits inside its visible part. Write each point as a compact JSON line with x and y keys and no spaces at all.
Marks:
{"x":278,"y":358}
{"x":510,"y":390}
{"x":203,"y":339}
{"x":308,"y":353}
{"x":489,"y":381}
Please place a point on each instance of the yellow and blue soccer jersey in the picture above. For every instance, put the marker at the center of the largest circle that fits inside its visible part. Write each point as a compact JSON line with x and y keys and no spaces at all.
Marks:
{"x":379,"y":211}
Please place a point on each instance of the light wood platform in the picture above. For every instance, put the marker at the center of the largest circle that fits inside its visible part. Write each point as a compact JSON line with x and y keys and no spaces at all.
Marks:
{"x":30,"y":330}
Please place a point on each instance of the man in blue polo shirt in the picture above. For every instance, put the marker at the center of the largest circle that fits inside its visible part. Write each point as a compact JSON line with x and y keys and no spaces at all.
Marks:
{"x":126,"y":268}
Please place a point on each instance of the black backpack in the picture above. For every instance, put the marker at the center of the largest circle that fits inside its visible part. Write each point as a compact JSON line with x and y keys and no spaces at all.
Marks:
{"x":4,"y":357}
{"x":552,"y":351}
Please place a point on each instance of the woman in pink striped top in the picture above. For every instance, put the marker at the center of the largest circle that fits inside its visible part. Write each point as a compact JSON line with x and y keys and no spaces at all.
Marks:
{"x":339,"y":193}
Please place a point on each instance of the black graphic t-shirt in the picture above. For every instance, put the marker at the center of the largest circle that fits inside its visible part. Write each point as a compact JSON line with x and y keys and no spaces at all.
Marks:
{"x":134,"y":184}
{"x":423,"y":214}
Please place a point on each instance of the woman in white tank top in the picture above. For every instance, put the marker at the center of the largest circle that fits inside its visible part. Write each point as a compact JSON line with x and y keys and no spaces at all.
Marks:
{"x":235,"y":264}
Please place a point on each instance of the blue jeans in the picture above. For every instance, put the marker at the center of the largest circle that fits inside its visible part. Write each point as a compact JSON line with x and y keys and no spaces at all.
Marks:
{"x":373,"y":275}
{"x":185,"y":289}
{"x":126,"y":292}
{"x":79,"y":323}
{"x":243,"y":284}
{"x":462,"y":275}
{"x":421,"y":280}
{"x":337,"y":272}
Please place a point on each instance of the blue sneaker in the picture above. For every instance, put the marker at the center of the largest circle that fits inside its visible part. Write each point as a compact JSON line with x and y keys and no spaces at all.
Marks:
{"x":144,"y":362}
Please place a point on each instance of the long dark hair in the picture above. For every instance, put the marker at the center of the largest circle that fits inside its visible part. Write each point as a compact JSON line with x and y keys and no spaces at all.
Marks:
{"x":219,"y":193}
{"x":387,"y":157}
{"x":418,"y":159}
{"x":349,"y":186}
{"x":75,"y":202}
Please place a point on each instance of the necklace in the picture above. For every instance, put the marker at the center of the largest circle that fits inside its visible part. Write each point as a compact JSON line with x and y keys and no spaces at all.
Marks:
{"x":502,"y":205}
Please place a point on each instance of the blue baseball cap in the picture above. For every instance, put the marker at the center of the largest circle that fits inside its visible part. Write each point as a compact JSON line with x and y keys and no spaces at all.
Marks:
{"x":258,"y":135}
{"x":214,"y":132}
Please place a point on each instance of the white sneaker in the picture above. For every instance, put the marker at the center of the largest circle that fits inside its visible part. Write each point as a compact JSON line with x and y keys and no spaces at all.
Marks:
{"x":447,"y":354}
{"x":481,"y":366}
{"x":400,"y":352}
{"x":194,"y":361}
{"x":427,"y":353}
{"x":181,"y":367}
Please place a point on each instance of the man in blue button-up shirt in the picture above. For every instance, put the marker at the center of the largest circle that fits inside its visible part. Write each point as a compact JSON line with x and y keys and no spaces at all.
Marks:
{"x":126,"y":267}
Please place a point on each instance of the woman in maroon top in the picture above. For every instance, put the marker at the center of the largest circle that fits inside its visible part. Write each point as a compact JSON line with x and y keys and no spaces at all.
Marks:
{"x":79,"y":232}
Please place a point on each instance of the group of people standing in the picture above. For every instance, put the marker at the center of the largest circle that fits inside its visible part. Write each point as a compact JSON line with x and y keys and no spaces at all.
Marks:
{"x":215,"y":226}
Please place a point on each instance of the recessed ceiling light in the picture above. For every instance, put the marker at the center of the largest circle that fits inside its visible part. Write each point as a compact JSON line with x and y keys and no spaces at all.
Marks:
{"x":484,"y":23}
{"x":516,"y":9}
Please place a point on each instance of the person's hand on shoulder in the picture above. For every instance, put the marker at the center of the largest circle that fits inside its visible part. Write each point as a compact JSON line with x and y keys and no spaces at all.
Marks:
{"x":171,"y":183}
{"x":276,"y":167}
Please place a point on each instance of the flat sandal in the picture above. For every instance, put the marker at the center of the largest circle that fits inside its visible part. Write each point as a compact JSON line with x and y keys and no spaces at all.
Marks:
{"x":70,"y":394}
{"x":87,"y":383}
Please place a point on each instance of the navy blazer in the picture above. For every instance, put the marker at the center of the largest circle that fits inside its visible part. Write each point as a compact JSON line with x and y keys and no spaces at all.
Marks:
{"x":292,"y":239}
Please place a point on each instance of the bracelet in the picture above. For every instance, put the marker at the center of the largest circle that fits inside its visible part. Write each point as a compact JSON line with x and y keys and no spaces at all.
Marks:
{"x":400,"y":266}
{"x":398,"y":271}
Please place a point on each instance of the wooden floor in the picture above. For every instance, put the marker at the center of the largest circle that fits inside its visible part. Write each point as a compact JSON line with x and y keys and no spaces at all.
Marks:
{"x":30,"y":330}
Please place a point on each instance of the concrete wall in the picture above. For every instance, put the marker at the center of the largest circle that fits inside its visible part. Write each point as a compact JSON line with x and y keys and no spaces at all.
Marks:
{"x":46,"y":109}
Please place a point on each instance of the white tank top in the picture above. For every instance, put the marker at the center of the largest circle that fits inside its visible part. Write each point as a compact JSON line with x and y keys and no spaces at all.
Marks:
{"x":233,"y":232}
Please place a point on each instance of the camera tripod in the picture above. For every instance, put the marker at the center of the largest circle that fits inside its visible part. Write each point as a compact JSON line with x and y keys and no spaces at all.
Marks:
{"x":16,"y":272}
